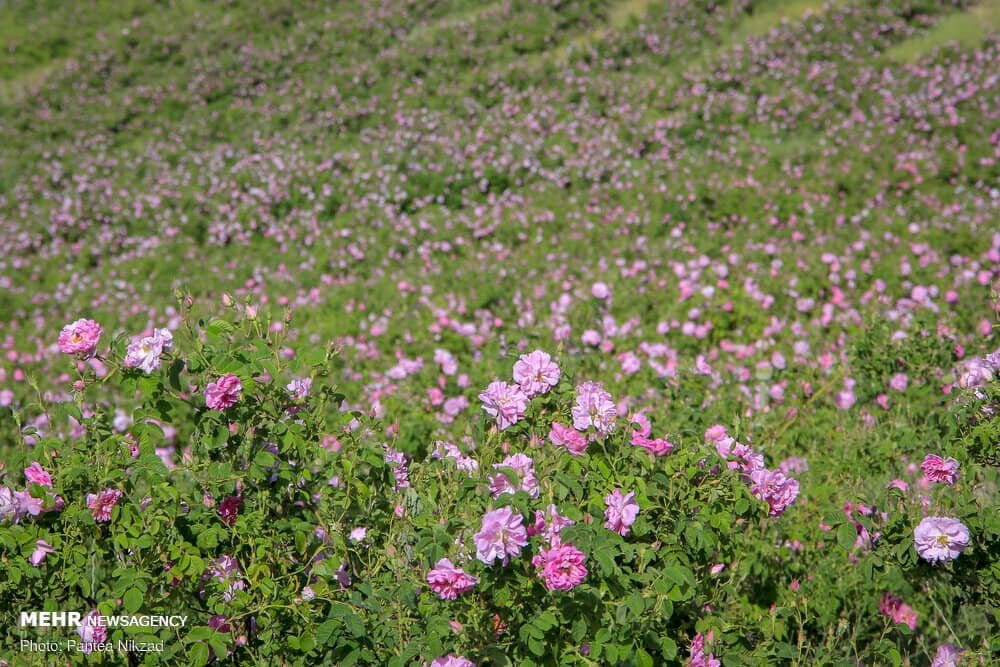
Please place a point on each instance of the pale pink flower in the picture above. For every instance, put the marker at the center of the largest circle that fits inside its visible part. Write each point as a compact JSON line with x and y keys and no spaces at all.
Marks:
{"x":80,"y":338}
{"x":899,"y":382}
{"x":621,"y":511}
{"x":502,"y":535}
{"x":549,"y":524}
{"x":26,"y":504}
{"x":449,"y":581}
{"x":898,"y":611}
{"x":947,"y":655}
{"x":223,"y":393}
{"x":452,"y":660}
{"x":571,"y":439}
{"x":522,"y":465}
{"x":561,"y":567}
{"x":698,"y":656}
{"x":144,"y":353}
{"x":91,"y":632}
{"x":594,"y":409}
{"x":504,"y":402}
{"x":536,"y":373}
{"x":657,"y":446}
{"x":299,"y":388}
{"x":940,"y":539}
{"x":774,"y":488}
{"x":35,"y":474}
{"x":42,"y":549}
{"x":102,"y":503}
{"x":8,"y":505}
{"x":937,"y":469}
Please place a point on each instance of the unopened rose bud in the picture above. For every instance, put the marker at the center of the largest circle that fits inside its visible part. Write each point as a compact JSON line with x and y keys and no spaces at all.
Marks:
{"x":227,"y":300}
{"x":251,"y":312}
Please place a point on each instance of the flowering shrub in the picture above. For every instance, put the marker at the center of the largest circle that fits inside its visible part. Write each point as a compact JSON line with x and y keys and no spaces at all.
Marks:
{"x":286,"y":529}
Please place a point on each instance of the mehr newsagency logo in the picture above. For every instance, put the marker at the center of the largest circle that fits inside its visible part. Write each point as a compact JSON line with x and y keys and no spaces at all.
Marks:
{"x":92,"y":629}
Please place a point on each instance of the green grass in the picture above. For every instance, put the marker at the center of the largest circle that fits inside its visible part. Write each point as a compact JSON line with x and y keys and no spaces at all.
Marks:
{"x":967,"y":29}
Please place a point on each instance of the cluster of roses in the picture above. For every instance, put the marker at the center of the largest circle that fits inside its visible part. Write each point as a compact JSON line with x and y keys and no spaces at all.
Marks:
{"x":771,"y":486}
{"x":937,"y":538}
{"x":18,"y":505}
{"x":503,"y":532}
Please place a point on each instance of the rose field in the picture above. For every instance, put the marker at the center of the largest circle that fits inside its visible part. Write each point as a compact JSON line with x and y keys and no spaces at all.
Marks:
{"x":451,"y":333}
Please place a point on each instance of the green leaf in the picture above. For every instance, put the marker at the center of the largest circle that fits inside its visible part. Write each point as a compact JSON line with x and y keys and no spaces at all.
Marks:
{"x":132,"y":600}
{"x":325,"y":631}
{"x":198,"y":655}
{"x":847,"y":535}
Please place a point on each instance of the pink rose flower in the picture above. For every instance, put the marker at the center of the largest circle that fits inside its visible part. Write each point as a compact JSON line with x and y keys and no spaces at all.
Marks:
{"x":80,"y":338}
{"x":561,"y":567}
{"x":42,"y":549}
{"x":223,"y":393}
{"x":571,"y":439}
{"x":940,"y":539}
{"x":774,"y":488}
{"x":452,"y":660}
{"x":947,"y":655}
{"x":620,"y":512}
{"x":102,"y":503}
{"x":91,"y":632}
{"x":594,"y":408}
{"x":698,"y":656}
{"x":449,"y":581}
{"x":504,"y":402}
{"x":536,"y":373}
{"x":898,"y":611}
{"x":502,"y":535}
{"x":522,"y":465}
{"x":35,"y":474}
{"x":937,"y":469}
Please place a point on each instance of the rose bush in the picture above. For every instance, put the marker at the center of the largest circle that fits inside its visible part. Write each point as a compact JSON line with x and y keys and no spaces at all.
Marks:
{"x":288,"y":530}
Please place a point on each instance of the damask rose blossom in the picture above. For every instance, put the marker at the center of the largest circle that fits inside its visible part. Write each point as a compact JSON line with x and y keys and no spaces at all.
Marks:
{"x":939,"y":539}
{"x":80,"y":338}
{"x":449,"y":581}
{"x":549,"y":524}
{"x":698,"y":656}
{"x":299,"y":388}
{"x":452,"y":660}
{"x":895,"y":609}
{"x":504,"y":402}
{"x":571,"y":439}
{"x":536,"y":373}
{"x":8,"y":505}
{"x":561,"y":567}
{"x":937,"y":469}
{"x":91,"y":632}
{"x":145,"y":353}
{"x":102,"y":503}
{"x":774,"y":488}
{"x":594,"y":409}
{"x":223,"y":393}
{"x":35,"y":474}
{"x":42,"y":549}
{"x":526,"y":481}
{"x":502,"y":535}
{"x":620,"y":512}
{"x":947,"y":655}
